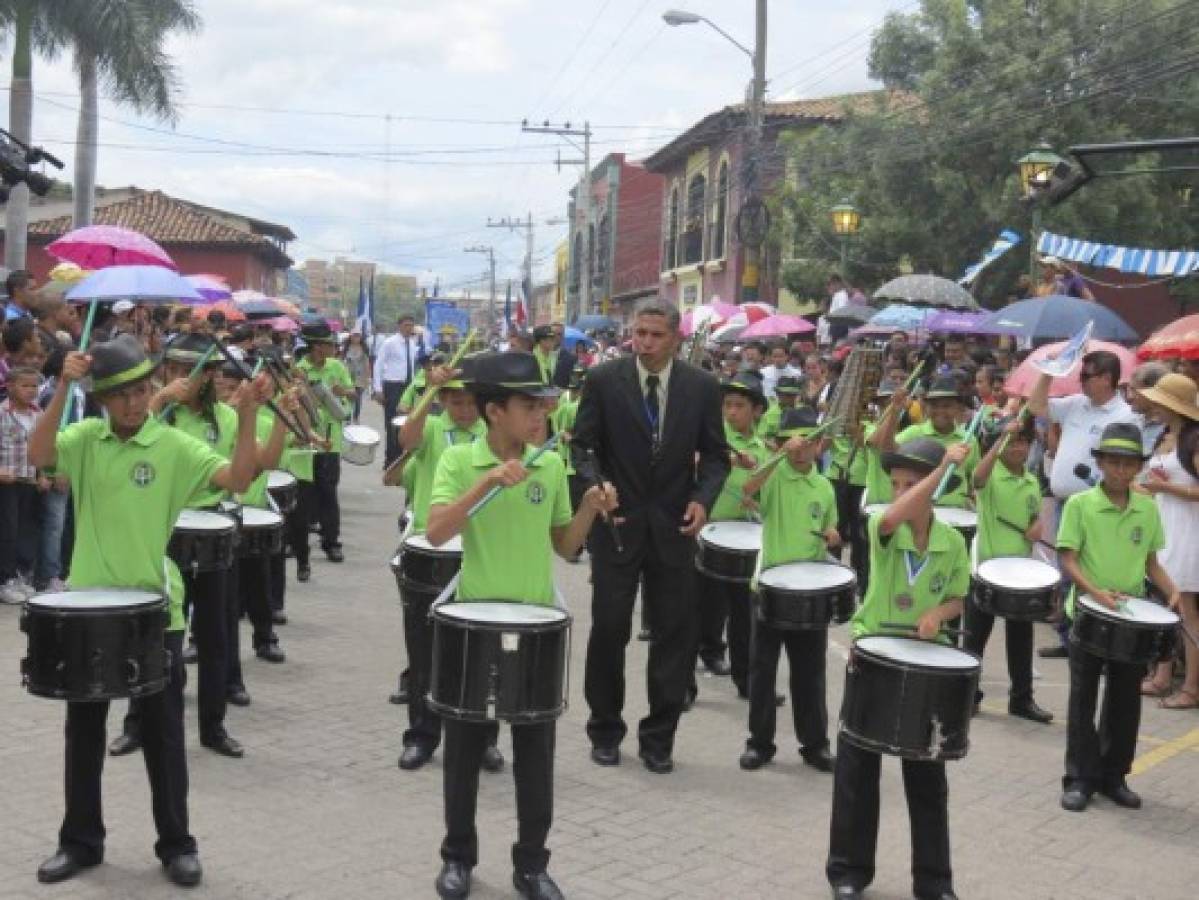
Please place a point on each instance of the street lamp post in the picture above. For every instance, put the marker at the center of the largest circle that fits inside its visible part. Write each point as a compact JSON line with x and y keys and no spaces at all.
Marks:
{"x":846,"y":222}
{"x":1036,"y":172}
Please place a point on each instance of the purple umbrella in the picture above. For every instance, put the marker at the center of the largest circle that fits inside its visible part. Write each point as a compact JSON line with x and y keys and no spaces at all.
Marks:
{"x":101,"y":246}
{"x":954,"y":322}
{"x":210,"y":287}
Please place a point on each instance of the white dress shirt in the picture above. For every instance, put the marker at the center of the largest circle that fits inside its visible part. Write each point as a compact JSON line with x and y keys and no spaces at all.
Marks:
{"x":1082,"y":425}
{"x":398,"y":360}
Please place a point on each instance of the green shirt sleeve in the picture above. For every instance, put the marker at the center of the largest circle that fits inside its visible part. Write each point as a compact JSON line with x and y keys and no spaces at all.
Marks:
{"x":1069,"y":531}
{"x":959,"y":581}
{"x":69,"y":446}
{"x":448,"y":481}
{"x":830,"y":511}
{"x":201,"y":463}
{"x":562,"y":513}
{"x":1157,"y":540}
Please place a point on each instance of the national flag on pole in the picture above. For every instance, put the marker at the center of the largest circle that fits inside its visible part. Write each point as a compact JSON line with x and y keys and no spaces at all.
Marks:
{"x":524,"y":301}
{"x":1006,"y":241}
{"x":506,"y":325}
{"x":365,"y":316}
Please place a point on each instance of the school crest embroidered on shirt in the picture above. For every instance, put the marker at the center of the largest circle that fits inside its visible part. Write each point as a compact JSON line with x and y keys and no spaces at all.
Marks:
{"x":814,"y":510}
{"x":1137,"y":534}
{"x":210,"y":435}
{"x":937,"y":585}
{"x":142,"y":474}
{"x":1032,"y":503}
{"x":904,"y":602}
{"x":535,"y":493}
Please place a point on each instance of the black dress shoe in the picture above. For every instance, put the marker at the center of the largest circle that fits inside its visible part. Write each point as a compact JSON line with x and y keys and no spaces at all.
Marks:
{"x":124,"y":744}
{"x":238,"y":696}
{"x":846,"y":892}
{"x":657,"y":763}
{"x":1028,"y":709}
{"x":224,"y":745}
{"x":718,"y":667}
{"x":278,"y":617}
{"x":414,"y":756}
{"x":184,"y":869}
{"x":821,"y":760}
{"x":605,"y":756}
{"x":453,"y":882}
{"x":1122,"y":795}
{"x":938,"y":895}
{"x":334,"y":554}
{"x":1058,"y":652}
{"x":536,"y":886}
{"x":1075,"y":799}
{"x":61,"y":866}
{"x":690,"y":698}
{"x":780,"y":699}
{"x":753,"y":759}
{"x":190,"y":655}
{"x":399,"y":698}
{"x":644,"y":635}
{"x":303,"y":573}
{"x":270,"y":652}
{"x":493,"y":760}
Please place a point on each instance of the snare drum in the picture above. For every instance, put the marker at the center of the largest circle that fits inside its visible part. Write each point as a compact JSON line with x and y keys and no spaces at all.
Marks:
{"x":359,"y":445}
{"x":284,"y":490}
{"x":95,"y":644}
{"x":1017,"y":588}
{"x":495,"y":660}
{"x":728,"y":551}
{"x":909,"y":698}
{"x":261,"y":533}
{"x":202,"y":541}
{"x":423,"y":568}
{"x":1136,"y":634}
{"x":965,"y":521}
{"x":806,"y":596}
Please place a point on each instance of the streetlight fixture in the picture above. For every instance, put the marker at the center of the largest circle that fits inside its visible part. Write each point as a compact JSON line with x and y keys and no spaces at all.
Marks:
{"x":846,"y":222}
{"x":677,"y":17}
{"x":1036,"y":172}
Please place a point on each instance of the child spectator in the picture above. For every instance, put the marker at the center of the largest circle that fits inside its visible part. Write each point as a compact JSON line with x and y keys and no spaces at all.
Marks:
{"x":19,"y":485}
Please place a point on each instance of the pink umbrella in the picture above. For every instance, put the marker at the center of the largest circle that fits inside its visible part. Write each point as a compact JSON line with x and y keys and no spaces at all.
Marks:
{"x":280,"y":323}
{"x":100,"y":246}
{"x":716,"y":313}
{"x":1021,"y":381}
{"x":211,"y":287}
{"x":756,"y":310}
{"x":779,"y":325}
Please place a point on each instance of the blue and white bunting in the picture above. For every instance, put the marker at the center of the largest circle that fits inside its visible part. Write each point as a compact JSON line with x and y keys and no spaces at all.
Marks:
{"x":1006,"y":241}
{"x":1131,"y":260}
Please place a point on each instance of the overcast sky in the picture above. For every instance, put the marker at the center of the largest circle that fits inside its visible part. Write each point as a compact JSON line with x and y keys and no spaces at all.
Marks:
{"x":285,"y":106}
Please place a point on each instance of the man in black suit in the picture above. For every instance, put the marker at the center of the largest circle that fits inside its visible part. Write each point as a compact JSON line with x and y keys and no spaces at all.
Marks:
{"x":651,"y":424}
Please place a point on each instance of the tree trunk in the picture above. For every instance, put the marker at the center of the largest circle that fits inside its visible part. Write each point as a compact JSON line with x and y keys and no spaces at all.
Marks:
{"x":86,"y":137}
{"x":20,"y":123}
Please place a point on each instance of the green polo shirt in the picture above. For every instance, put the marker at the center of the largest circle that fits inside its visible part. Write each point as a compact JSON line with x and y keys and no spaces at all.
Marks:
{"x":298,"y":461}
{"x":332,"y":373}
{"x":795,"y":506}
{"x":221,"y":439}
{"x":412,"y":392}
{"x":840,"y":455}
{"x":563,"y":419}
{"x":506,"y":547}
{"x":878,"y":482}
{"x":728,"y":503}
{"x":959,"y":496}
{"x":255,"y":494}
{"x":768,"y":424}
{"x":1113,"y":545}
{"x":546,"y":362}
{"x":903,"y":586}
{"x":1007,"y":504}
{"x":439,"y":435}
{"x":127,"y":496}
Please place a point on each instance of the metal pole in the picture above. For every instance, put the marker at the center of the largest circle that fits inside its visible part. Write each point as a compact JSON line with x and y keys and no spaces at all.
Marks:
{"x":1032,"y":244}
{"x":585,"y":210}
{"x":529,"y":269}
{"x":750,"y":287}
{"x":759,"y":92}
{"x":491,"y":302}
{"x":845,"y":258}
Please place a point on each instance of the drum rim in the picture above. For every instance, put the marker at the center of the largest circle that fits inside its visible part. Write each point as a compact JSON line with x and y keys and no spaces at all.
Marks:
{"x":857,"y":647}
{"x":348,"y":433}
{"x":954,"y":511}
{"x":851,"y":583}
{"x":1091,"y":606}
{"x":289,"y":480}
{"x":547,"y":624}
{"x":227,"y":523}
{"x":149,"y":603}
{"x":267,"y":519}
{"x":428,"y":549}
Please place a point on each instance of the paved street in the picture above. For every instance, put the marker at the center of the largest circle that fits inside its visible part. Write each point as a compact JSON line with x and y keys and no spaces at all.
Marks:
{"x":318,"y":808}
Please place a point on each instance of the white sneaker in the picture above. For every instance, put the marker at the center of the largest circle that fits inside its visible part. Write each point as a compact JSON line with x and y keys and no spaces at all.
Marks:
{"x":56,"y":586}
{"x":11,"y":593}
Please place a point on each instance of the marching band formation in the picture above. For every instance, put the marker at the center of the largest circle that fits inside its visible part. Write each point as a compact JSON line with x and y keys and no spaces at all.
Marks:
{"x":727,"y":504}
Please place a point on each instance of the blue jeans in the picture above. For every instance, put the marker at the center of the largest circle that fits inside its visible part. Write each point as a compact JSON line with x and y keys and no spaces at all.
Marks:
{"x":49,"y":551}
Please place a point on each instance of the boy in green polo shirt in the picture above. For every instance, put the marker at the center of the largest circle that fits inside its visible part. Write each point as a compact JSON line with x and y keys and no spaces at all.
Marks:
{"x":786,"y":395}
{"x":506,"y":557}
{"x":131,"y":477}
{"x":1009,"y":507}
{"x":919,"y":574}
{"x":799,"y":523}
{"x":1108,"y":541}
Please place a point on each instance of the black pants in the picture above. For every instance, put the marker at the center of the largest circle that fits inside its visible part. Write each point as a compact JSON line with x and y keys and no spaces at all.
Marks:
{"x":1101,"y":757}
{"x":322,"y":497}
{"x":533,"y":768}
{"x":18,"y":529}
{"x":806,"y":651}
{"x":278,"y":579}
{"x":669,"y":602}
{"x":249,"y":595}
{"x":392,"y":391}
{"x":854,"y":831}
{"x":296,"y":522}
{"x":1018,"y":643}
{"x":721,"y":602}
{"x":851,"y":525}
{"x":161,"y":715}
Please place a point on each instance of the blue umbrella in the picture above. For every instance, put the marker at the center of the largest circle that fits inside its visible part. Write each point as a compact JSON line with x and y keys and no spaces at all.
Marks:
{"x":146,"y":284}
{"x":593,"y":322}
{"x":909,"y":318}
{"x":572,"y":336}
{"x":1059,"y":318}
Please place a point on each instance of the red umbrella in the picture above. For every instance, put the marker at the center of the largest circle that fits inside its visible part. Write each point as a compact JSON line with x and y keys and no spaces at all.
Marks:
{"x":101,"y":246}
{"x":1021,"y":381}
{"x":1179,"y":339}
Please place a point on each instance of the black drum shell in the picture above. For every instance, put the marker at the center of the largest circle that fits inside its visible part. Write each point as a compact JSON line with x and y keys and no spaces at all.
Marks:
{"x":202,"y":550}
{"x":1124,"y":642}
{"x":896,"y":708}
{"x":470,"y":662}
{"x":791,"y":609}
{"x":259,"y":541}
{"x":725,"y":564}
{"x":424,"y":570}
{"x":1017,"y":604}
{"x":100,"y":654}
{"x":286,"y":497}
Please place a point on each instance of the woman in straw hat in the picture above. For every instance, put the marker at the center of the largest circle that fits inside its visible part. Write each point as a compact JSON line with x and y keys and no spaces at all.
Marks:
{"x":1172,"y":477}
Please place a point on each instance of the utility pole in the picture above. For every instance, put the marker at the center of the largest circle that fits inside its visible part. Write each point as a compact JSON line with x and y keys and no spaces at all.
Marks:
{"x":515,"y":224}
{"x":584,"y":205}
{"x":490,"y":251}
{"x":751,"y":280}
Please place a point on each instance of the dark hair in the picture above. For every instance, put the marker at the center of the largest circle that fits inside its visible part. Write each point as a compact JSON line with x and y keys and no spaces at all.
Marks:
{"x":1188,"y":446}
{"x":760,"y":346}
{"x":993,"y":374}
{"x":490,"y":394}
{"x":16,"y":333}
{"x":656,"y":306}
{"x":23,"y":372}
{"x":160,"y":315}
{"x":1106,"y":363}
{"x":18,"y":278}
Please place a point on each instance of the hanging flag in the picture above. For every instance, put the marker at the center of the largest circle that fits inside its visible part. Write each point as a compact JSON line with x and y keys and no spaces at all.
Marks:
{"x":525,"y":301}
{"x":365,"y":316}
{"x":1063,"y":363}
{"x":1006,"y":241}
{"x":506,"y":325}
{"x":1130,"y":260}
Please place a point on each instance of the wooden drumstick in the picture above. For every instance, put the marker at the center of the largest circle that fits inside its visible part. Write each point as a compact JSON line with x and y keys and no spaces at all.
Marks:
{"x":612,"y":526}
{"x":192,"y":376}
{"x":901,"y":626}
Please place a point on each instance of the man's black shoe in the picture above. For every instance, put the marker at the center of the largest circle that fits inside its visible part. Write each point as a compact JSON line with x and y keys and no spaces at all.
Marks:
{"x":278,"y":617}
{"x":753,"y":759}
{"x":124,"y":744}
{"x":1075,"y":799}
{"x":190,"y":655}
{"x":657,"y":763}
{"x":334,"y":554}
{"x":61,"y":866}
{"x":184,"y":870}
{"x":1058,"y":652}
{"x":937,"y":895}
{"x":821,"y":760}
{"x":690,"y":698}
{"x":718,"y":666}
{"x":644,"y":635}
{"x":780,"y":699}
{"x":1122,"y":795}
{"x":453,"y":882}
{"x":1029,"y":710}
{"x":303,"y":573}
{"x":270,"y":652}
{"x":605,"y":756}
{"x":414,"y":756}
{"x":493,"y":760}
{"x":536,"y":886}
{"x":238,"y":695}
{"x":846,"y":892}
{"x":224,"y":745}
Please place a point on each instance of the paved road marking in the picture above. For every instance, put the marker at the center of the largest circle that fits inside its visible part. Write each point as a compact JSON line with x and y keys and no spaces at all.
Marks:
{"x":1163,"y":752}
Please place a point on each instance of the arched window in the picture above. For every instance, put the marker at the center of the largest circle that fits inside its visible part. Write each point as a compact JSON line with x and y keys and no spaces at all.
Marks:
{"x":670,"y":243}
{"x":716,"y":241}
{"x":693,"y":223}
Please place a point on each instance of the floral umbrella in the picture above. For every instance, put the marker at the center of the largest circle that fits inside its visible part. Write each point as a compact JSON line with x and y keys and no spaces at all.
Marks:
{"x":715,"y":313}
{"x":1178,"y":340}
{"x":1025,"y":375}
{"x":211,"y":287}
{"x":101,"y":246}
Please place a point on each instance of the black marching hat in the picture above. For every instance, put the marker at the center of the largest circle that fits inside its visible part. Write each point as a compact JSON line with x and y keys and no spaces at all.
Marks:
{"x":515,"y":372}
{"x":318,"y":333}
{"x":745,"y":383}
{"x":921,"y":455}
{"x":886,"y":388}
{"x":944,"y":387}
{"x":191,"y":348}
{"x":801,"y":420}
{"x":117,"y":363}
{"x":788,"y":384}
{"x":541,"y":332}
{"x":577,"y":376}
{"x":1121,"y":439}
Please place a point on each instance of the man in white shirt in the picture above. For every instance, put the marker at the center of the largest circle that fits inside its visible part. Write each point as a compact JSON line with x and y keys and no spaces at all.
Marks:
{"x":826,"y":331}
{"x":397,"y":363}
{"x":779,"y":367}
{"x":1082,"y":418}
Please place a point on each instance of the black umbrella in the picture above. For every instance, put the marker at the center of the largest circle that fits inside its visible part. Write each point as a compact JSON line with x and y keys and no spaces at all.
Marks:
{"x":927,"y":290}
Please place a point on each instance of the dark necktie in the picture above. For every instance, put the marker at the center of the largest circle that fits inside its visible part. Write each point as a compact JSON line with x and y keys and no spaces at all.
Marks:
{"x":652,"y":410}
{"x":408,"y":359}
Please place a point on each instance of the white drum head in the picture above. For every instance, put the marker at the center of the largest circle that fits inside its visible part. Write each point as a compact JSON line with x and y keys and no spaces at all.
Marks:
{"x":918,"y":653}
{"x":492,"y":613}
{"x":1137,"y":611}
{"x":203,"y":520}
{"x":398,"y":421}
{"x":360,"y":434}
{"x":807,"y":576}
{"x":1019,"y":573}
{"x":94,"y":599}
{"x":276,"y":479}
{"x":252,"y":517}
{"x":958,"y":518}
{"x":745,"y":537}
{"x":420,"y":542}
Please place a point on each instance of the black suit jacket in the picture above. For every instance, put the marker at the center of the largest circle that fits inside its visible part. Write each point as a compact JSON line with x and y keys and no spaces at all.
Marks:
{"x":563,"y":369}
{"x":654,"y":488}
